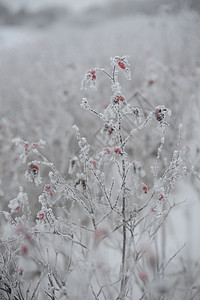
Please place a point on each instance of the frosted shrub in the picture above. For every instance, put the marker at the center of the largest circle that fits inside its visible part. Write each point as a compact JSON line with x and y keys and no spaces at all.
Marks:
{"x":100,"y":230}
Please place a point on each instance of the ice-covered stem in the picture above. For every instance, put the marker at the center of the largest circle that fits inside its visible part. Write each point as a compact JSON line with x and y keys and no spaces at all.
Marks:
{"x":123,"y":268}
{"x":123,"y":262}
{"x":117,"y":63}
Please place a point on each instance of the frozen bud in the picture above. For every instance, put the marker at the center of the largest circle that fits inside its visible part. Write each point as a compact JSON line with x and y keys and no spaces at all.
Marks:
{"x":116,"y":98}
{"x":73,"y":163}
{"x":107,"y":150}
{"x":42,"y":199}
{"x":94,"y":163}
{"x":160,"y":112}
{"x":89,"y":80}
{"x":81,"y":179}
{"x":33,"y":173}
{"x":48,"y":190}
{"x":21,"y":271}
{"x":18,"y":202}
{"x":108,"y":129}
{"x":85,"y":104}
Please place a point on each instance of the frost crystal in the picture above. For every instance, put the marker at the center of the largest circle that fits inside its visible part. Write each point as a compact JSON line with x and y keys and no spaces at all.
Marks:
{"x":83,"y":144}
{"x":85,"y":104}
{"x":27,"y":147}
{"x":72,"y":166}
{"x":17,"y":203}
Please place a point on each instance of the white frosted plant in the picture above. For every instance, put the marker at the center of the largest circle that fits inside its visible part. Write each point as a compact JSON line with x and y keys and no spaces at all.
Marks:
{"x":102,"y":226}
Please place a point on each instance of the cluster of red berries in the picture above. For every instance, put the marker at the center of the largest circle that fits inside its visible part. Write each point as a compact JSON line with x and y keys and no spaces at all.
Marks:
{"x":91,"y":74}
{"x":118,"y":151}
{"x":118,"y":98}
{"x":48,"y":189}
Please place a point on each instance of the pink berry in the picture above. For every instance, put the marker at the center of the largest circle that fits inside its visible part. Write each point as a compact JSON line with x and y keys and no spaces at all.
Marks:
{"x":107,"y":150}
{"x":143,"y":276}
{"x":24,"y":250}
{"x":100,"y":234}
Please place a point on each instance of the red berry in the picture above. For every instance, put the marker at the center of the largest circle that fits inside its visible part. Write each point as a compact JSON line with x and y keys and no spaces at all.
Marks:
{"x":161,"y":197}
{"x":121,"y":65}
{"x":118,"y":151}
{"x":41,"y":216}
{"x":21,"y":271}
{"x":17,"y":208}
{"x":144,"y":188}
{"x":47,"y":188}
{"x":116,"y":99}
{"x":26,"y":145}
{"x":92,"y":72}
{"x":94,"y":163}
{"x":32,"y":166}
